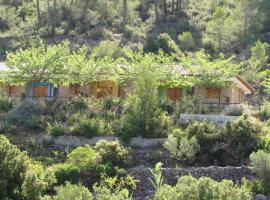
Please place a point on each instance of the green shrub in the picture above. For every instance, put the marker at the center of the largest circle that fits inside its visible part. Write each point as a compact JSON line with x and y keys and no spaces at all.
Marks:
{"x":6,"y":104}
{"x":167,"y":44}
{"x":129,"y":32}
{"x":265,"y":144}
{"x":89,"y":128}
{"x":56,"y":129}
{"x":265,"y":111}
{"x":241,"y":137}
{"x":236,"y":110}
{"x":163,"y":42}
{"x":203,"y":188}
{"x":46,"y":31}
{"x":206,"y":133}
{"x":151,"y":45}
{"x":72,"y":192}
{"x":75,"y":105}
{"x":187,"y":42}
{"x":260,"y":163}
{"x":36,"y":182}
{"x":28,"y":114}
{"x":109,"y":48}
{"x":168,"y":106}
{"x":255,"y":186}
{"x":112,"y":152}
{"x":230,"y":145}
{"x":191,"y":105}
{"x":112,"y":104}
{"x":114,"y":188}
{"x":66,"y":172}
{"x":19,"y":177}
{"x":84,"y":157}
{"x":198,"y":141}
{"x":182,"y":148}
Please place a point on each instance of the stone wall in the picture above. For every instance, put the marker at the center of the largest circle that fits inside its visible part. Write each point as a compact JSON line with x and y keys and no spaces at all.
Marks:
{"x":146,"y":190}
{"x":80,"y":141}
{"x":216,"y":119}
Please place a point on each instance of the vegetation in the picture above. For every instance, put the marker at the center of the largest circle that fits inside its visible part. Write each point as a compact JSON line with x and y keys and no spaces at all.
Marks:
{"x":203,"y":188}
{"x":206,"y":143}
{"x":72,"y":192}
{"x":21,"y":178}
{"x":260,"y":162}
{"x":153,"y":44}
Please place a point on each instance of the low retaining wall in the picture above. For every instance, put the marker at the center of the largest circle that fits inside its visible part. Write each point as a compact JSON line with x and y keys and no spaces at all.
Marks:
{"x":80,"y":141}
{"x":216,"y":119}
{"x":146,"y":190}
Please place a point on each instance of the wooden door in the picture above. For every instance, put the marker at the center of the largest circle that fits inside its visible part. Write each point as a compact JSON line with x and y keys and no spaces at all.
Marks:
{"x":174,"y":94}
{"x":13,"y":90}
{"x":41,"y":91}
{"x":212,"y":93}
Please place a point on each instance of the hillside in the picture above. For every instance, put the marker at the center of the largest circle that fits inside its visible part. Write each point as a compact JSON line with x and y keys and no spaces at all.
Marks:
{"x":226,"y":26}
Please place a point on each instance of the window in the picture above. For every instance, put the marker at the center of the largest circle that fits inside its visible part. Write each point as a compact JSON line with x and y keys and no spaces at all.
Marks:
{"x":212,"y":93}
{"x":175,"y":94}
{"x":13,"y":90}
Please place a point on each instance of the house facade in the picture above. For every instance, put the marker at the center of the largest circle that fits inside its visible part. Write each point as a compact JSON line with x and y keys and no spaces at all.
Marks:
{"x":233,"y":94}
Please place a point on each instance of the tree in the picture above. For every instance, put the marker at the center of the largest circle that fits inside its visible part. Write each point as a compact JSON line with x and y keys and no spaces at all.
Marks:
{"x":250,"y":19}
{"x":257,"y":62}
{"x":208,"y":71}
{"x":125,"y":9}
{"x":38,"y":13}
{"x":186,"y":41}
{"x":38,"y":64}
{"x":220,"y":29}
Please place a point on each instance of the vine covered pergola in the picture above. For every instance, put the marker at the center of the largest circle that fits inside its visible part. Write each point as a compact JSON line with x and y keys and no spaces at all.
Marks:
{"x":59,"y":65}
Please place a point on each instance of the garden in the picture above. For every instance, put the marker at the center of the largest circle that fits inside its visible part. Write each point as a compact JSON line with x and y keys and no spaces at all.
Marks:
{"x":197,"y":160}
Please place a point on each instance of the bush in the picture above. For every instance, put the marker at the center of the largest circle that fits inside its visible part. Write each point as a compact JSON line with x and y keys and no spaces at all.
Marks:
{"x":84,"y":157}
{"x":191,"y":105}
{"x":151,"y":45}
{"x":255,"y":186}
{"x":167,"y":44}
{"x":114,"y":188}
{"x":206,"y":133}
{"x":230,"y":145}
{"x":142,"y":115}
{"x":198,"y":141}
{"x":241,"y":137}
{"x":186,"y":41}
{"x":203,"y":188}
{"x":260,"y":163}
{"x":168,"y":106}
{"x":6,"y":104}
{"x":129,"y":31}
{"x":163,"y":42}
{"x":182,"y":148}
{"x":112,"y":152}
{"x":265,"y":111}
{"x":75,"y":105}
{"x":236,"y":110}
{"x":89,"y":128}
{"x":19,"y":177}
{"x":109,"y":48}
{"x":56,"y":129}
{"x":265,"y":144}
{"x":66,"y":172}
{"x":28,"y":115}
{"x":72,"y":192}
